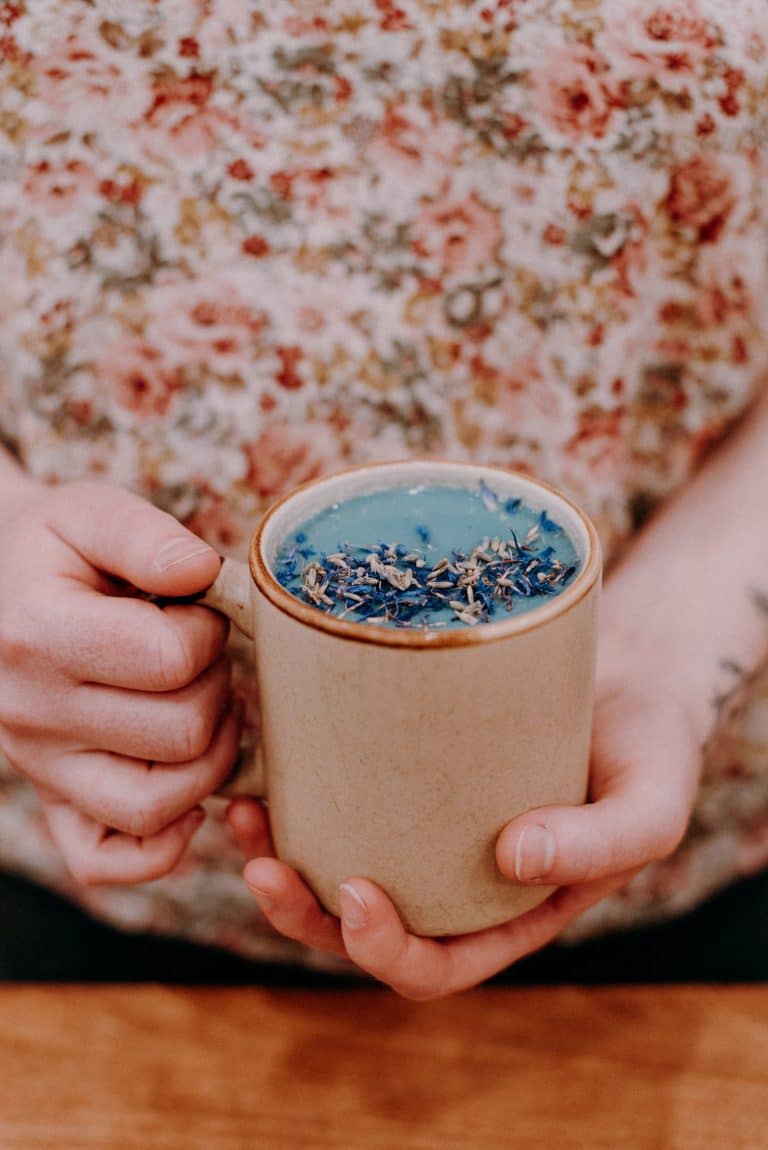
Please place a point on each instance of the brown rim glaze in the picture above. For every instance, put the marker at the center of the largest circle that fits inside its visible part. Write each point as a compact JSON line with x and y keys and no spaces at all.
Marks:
{"x":424,"y":639}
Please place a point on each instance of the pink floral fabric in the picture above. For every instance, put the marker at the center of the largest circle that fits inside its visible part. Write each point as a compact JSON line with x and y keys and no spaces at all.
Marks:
{"x":244,"y":243}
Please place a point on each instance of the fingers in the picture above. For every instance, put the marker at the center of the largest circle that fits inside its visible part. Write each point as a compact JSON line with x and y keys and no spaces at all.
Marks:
{"x":643,"y":780}
{"x":417,"y":968}
{"x":423,"y":969}
{"x":376,"y":940}
{"x":137,"y":797}
{"x":372,"y":935}
{"x":248,"y":822}
{"x":562,"y":846}
{"x":172,"y":727}
{"x":129,"y":643}
{"x":290,"y":906}
{"x":121,"y":534}
{"x":286,"y":901}
{"x":95,"y":857}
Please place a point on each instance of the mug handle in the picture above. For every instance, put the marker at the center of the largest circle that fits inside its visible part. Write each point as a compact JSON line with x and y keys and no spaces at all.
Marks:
{"x":230,"y":593}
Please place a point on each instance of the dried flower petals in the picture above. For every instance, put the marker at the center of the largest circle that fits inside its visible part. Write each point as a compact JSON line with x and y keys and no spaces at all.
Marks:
{"x":403,"y":588}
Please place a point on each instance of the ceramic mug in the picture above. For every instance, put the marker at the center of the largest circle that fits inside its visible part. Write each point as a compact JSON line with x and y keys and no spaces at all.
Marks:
{"x":398,"y":755}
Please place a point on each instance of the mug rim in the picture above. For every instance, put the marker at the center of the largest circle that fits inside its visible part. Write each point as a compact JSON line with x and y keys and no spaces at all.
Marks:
{"x":423,"y":638}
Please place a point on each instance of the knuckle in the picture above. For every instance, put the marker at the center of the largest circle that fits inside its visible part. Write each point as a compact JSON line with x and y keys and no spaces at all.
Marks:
{"x":15,"y":710}
{"x":220,"y":677}
{"x":311,"y":921}
{"x":415,"y":991}
{"x":156,"y":867}
{"x":421,"y":981}
{"x":596,"y":860}
{"x":88,"y":876}
{"x":8,"y":748}
{"x":143,"y":822}
{"x":26,"y":757}
{"x":174,"y":662}
{"x":289,"y":928}
{"x":161,"y":858}
{"x":210,"y":629}
{"x":669,"y":833}
{"x":82,"y":865}
{"x":16,"y":638}
{"x":196,"y":728}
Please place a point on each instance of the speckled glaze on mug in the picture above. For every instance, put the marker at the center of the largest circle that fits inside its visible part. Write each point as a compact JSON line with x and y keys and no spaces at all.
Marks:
{"x":399,"y":755}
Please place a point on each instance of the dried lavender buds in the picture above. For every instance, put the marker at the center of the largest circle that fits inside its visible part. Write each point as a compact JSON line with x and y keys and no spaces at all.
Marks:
{"x":406,"y":587}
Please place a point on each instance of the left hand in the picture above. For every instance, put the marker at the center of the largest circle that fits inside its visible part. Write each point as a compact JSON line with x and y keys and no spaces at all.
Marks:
{"x":645,"y":764}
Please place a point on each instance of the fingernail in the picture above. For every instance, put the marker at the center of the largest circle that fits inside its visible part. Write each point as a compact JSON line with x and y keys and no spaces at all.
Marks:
{"x":354,"y":912}
{"x":534,"y":853}
{"x":180,"y":550}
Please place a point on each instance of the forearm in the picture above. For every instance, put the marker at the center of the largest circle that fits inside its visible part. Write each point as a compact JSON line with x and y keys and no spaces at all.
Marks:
{"x":689,"y":602}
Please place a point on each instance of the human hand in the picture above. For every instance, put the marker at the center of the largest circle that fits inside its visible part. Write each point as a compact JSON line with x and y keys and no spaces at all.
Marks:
{"x":117,"y":710}
{"x":645,"y":763}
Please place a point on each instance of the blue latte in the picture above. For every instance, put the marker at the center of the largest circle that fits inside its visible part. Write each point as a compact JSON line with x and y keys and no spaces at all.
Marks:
{"x":427,"y":556}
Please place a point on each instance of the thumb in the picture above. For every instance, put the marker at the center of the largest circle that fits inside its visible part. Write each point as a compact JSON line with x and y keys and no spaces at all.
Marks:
{"x":639,"y":814}
{"x":123,"y":535}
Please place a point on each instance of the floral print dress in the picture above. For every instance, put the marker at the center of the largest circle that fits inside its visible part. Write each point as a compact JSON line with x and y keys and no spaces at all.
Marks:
{"x":243,"y":243}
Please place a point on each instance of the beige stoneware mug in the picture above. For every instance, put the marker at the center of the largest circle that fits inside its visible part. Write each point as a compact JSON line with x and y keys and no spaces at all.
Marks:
{"x":398,"y":755}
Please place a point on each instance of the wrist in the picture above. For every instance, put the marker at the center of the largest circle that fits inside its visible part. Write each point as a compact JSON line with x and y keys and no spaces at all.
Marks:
{"x":660,"y":644}
{"x":626,"y":665}
{"x":691,"y":648}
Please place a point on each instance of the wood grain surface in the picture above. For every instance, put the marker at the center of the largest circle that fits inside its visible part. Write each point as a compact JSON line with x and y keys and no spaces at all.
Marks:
{"x":154,"y":1068}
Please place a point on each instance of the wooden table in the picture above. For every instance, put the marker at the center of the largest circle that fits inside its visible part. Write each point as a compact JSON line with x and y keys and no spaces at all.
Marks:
{"x":153,"y":1068}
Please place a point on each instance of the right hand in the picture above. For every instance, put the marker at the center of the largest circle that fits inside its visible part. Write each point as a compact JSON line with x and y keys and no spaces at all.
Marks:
{"x":117,"y":710}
